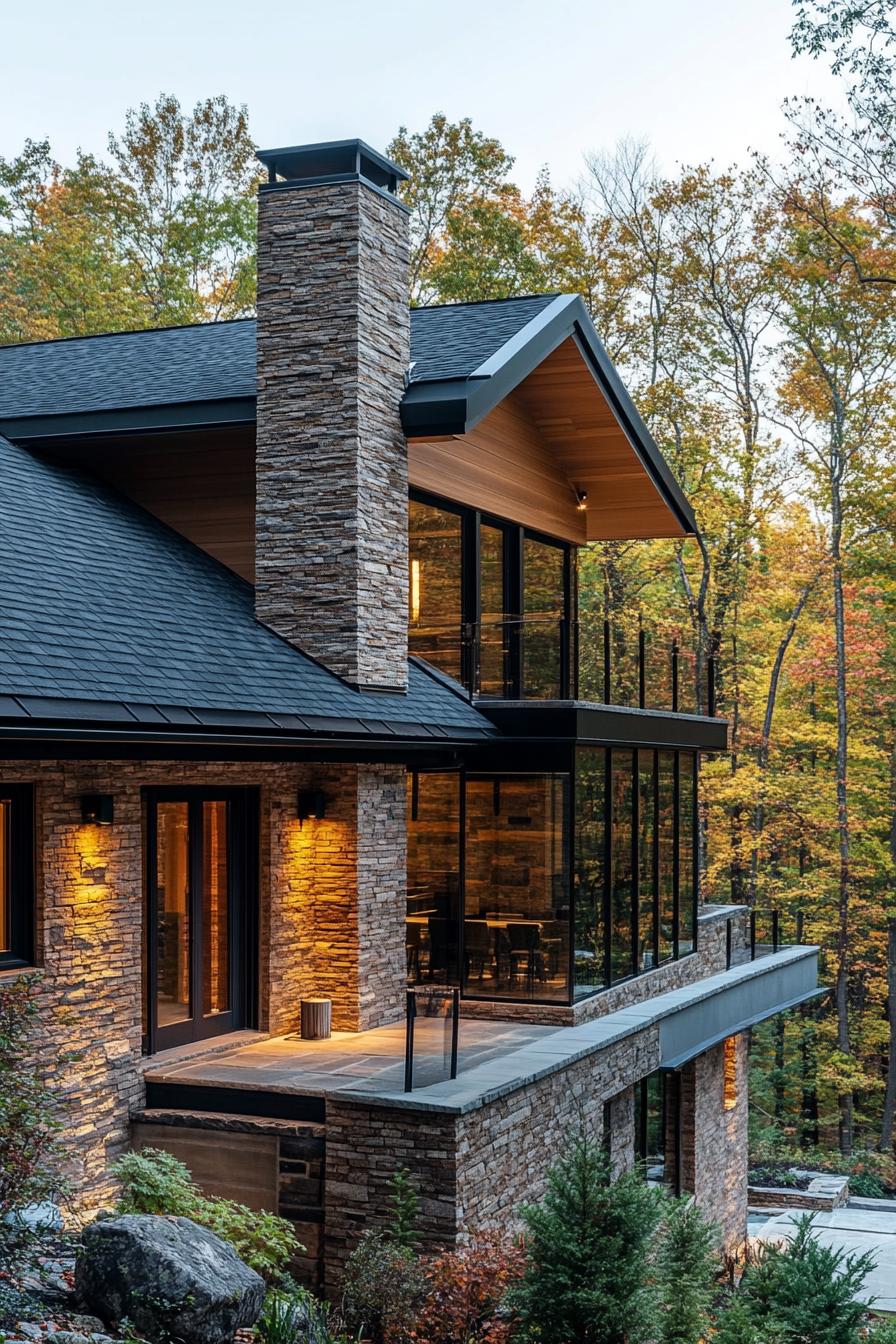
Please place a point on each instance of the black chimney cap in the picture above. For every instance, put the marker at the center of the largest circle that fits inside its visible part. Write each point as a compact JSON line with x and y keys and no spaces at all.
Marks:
{"x":330,"y":161}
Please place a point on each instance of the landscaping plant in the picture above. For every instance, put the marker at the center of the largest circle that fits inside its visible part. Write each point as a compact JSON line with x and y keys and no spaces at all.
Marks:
{"x":587,"y":1280}
{"x":804,"y":1293}
{"x":466,"y":1293}
{"x":29,"y":1152}
{"x":153,"y":1181}
{"x":687,"y":1265}
{"x":382,"y":1289}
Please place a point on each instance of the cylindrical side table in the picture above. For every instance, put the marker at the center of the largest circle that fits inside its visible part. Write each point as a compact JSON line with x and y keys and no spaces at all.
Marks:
{"x":317,"y":1015}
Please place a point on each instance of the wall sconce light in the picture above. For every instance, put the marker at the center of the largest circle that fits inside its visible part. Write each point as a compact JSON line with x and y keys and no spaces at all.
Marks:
{"x":582,"y":499}
{"x":97,"y":809}
{"x":312,"y":804}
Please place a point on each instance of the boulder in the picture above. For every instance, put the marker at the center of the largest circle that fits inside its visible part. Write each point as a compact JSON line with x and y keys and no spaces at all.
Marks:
{"x":171,"y":1278}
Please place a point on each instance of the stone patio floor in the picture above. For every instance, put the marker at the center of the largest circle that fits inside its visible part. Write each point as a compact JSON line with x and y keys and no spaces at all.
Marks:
{"x":864,"y":1225}
{"x":369,"y":1061}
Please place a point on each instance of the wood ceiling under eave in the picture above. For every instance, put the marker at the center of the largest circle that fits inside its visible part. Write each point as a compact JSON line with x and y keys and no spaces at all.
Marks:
{"x":577,"y":426}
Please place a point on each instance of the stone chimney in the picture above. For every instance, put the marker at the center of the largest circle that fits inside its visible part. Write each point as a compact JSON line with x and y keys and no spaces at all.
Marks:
{"x":331,"y":458}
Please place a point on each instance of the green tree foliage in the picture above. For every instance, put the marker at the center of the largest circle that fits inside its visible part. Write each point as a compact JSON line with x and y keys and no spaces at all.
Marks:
{"x":153,"y":1181}
{"x":164,"y":234}
{"x":30,"y":1158}
{"x":589,"y":1243}
{"x":805,"y":1293}
{"x":687,"y":1264}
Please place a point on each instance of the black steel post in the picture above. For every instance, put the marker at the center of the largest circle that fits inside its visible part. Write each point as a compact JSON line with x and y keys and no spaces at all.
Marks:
{"x":675,"y":676}
{"x":775,"y":929}
{"x":727,"y":944}
{"x":642,"y":671}
{"x":455,"y":1029}
{"x":410,"y":1014}
{"x":752,"y":935}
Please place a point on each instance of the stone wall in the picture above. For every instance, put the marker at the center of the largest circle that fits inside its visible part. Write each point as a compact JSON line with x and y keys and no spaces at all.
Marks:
{"x":331,"y":458}
{"x":714,"y":1139}
{"x":332,"y":904}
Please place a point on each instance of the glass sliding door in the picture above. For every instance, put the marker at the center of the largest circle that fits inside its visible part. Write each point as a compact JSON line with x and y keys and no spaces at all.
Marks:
{"x":622,"y":887}
{"x":647,"y":857}
{"x":687,"y":823}
{"x":201,"y":863}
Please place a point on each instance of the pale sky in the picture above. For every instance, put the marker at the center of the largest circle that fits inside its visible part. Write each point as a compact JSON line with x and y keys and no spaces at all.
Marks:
{"x":552,"y":79}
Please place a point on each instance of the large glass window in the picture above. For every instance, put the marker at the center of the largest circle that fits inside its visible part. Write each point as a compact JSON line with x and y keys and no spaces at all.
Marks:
{"x":647,"y":860}
{"x":16,"y":875}
{"x":488,"y":602}
{"x":516,"y":887}
{"x":433,"y":916}
{"x":666,"y":851}
{"x":493,"y":628}
{"x":590,"y":869}
{"x":622,"y":887}
{"x":544,"y":610}
{"x":434,"y":586}
{"x":687,"y":817}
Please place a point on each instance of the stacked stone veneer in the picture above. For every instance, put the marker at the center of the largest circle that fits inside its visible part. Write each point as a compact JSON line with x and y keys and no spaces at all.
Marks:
{"x":473,"y":1169}
{"x":332,"y":907}
{"x":331,"y":459}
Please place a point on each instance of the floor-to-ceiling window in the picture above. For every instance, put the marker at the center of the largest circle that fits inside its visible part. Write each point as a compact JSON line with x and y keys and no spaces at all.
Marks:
{"x":551,"y":885}
{"x":435,"y":616}
{"x":544,"y":614}
{"x":516,"y":887}
{"x":489,"y":602}
{"x":434,"y":876}
{"x":589,"y":878}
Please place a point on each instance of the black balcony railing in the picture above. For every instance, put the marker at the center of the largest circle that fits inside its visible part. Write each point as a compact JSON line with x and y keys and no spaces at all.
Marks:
{"x":767,"y":932}
{"x":596,"y":659}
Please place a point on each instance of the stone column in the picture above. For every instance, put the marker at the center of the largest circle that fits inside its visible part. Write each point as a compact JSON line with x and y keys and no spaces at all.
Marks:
{"x":331,"y":464}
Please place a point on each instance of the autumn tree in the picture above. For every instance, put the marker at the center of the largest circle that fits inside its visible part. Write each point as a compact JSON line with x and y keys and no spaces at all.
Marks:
{"x":162,"y":235}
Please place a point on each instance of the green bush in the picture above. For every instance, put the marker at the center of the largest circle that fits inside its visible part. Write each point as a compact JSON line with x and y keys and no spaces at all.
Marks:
{"x":153,"y":1181}
{"x":587,"y":1280}
{"x":30,"y":1157}
{"x":382,"y":1288}
{"x":294,"y":1317}
{"x":686,"y":1268}
{"x":804,"y":1293}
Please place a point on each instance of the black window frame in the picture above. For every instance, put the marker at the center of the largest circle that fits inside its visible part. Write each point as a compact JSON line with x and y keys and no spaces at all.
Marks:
{"x":472,"y":521}
{"x":20,"y":876}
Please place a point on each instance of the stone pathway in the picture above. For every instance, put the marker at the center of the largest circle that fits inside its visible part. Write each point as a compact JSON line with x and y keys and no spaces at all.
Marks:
{"x":862,"y":1225}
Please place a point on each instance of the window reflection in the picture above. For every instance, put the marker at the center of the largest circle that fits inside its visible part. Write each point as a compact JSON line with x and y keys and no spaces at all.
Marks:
{"x":434,"y":586}
{"x":173,"y":915}
{"x":431,"y":934}
{"x":666,"y":848}
{"x":516,"y":891}
{"x":544,"y":589}
{"x":647,"y":855}
{"x":686,"y":824}
{"x":621,"y":874}
{"x":215,"y":912}
{"x":493,"y":631}
{"x":590,"y":874}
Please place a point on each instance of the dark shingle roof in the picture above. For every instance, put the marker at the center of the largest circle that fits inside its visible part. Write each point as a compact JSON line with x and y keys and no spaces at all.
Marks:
{"x":204,"y":363}
{"x":453,"y":340}
{"x":137,"y":368}
{"x":102,"y":603}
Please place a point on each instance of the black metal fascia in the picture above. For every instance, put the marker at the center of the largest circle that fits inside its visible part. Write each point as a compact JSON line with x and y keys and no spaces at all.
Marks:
{"x":744,"y":1024}
{"x":605,"y":725}
{"x":131,"y":420}
{"x":28,"y":739}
